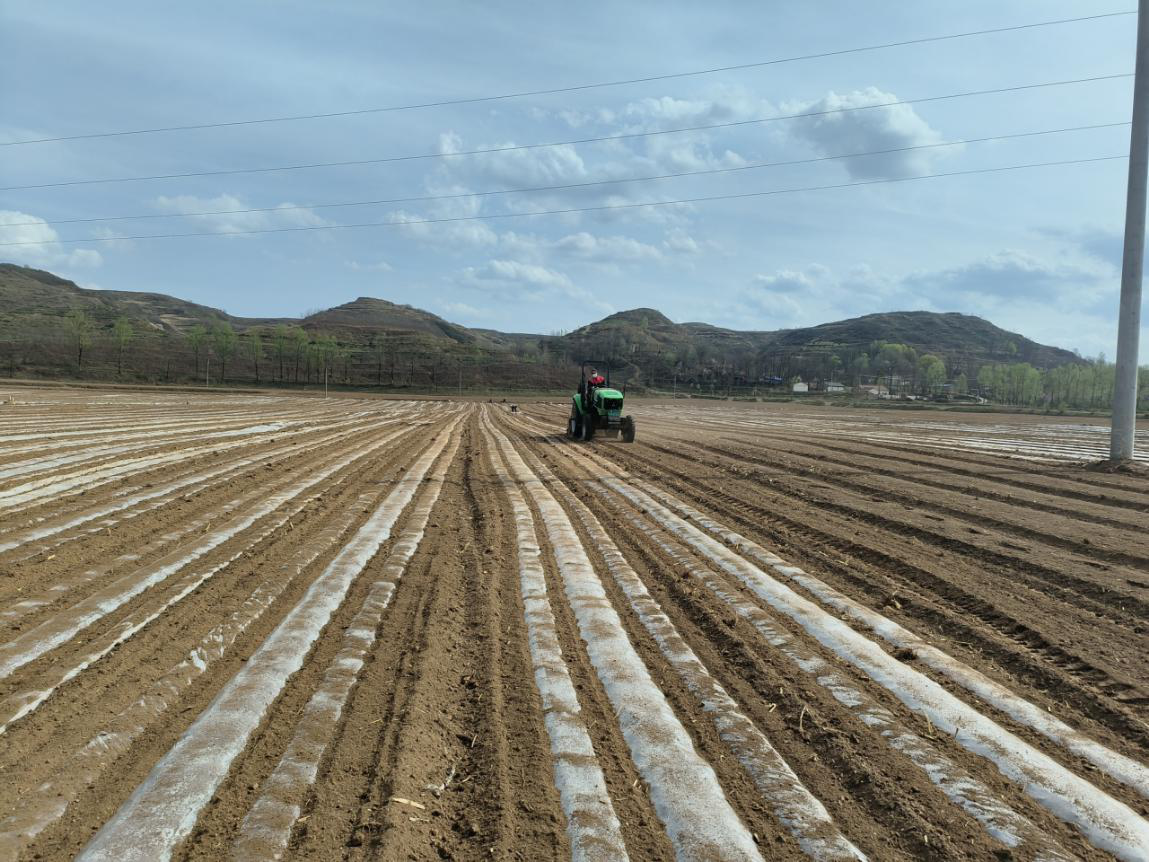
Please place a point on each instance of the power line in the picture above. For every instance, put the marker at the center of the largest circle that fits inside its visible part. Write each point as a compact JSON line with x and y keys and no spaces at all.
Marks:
{"x":570,"y":186}
{"x":578,"y":87}
{"x":604,"y":138}
{"x":571,"y":210}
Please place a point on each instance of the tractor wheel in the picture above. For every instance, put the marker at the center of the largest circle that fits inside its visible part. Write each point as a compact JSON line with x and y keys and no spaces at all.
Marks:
{"x":628,"y":429}
{"x":588,"y":429}
{"x":572,"y":428}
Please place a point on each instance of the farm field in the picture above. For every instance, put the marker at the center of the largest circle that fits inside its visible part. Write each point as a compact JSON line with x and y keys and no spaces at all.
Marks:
{"x":264,"y":626}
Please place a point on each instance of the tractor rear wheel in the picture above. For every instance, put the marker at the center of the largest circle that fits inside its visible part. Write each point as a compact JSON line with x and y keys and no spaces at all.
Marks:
{"x":572,"y":428}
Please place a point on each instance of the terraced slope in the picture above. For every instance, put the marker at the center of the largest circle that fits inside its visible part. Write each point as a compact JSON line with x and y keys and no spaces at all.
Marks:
{"x":263,"y":628}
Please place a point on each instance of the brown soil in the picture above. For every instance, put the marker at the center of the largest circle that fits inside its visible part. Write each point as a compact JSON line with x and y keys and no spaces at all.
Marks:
{"x":1029,"y":566}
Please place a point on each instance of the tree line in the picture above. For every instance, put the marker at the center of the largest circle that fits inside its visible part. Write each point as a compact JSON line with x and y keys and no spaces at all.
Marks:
{"x":892,"y":367}
{"x":80,"y":346}
{"x":289,"y":355}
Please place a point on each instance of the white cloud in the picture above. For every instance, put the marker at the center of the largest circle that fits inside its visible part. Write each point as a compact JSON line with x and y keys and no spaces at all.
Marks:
{"x":448,"y":234}
{"x":219,"y":215}
{"x":605,"y":249}
{"x":19,"y":227}
{"x":1099,"y":244}
{"x":378,"y":266}
{"x":1010,"y":275}
{"x":726,"y":104}
{"x":516,"y":272}
{"x":1053,"y":302}
{"x":514,"y":168}
{"x":461,"y":309}
{"x":692,"y":152}
{"x":680,"y":242}
{"x":606,"y":252}
{"x":514,"y":280}
{"x":577,"y":119}
{"x":867,"y":130}
{"x":568,"y":164}
{"x":815,"y":294}
{"x":784,"y":281}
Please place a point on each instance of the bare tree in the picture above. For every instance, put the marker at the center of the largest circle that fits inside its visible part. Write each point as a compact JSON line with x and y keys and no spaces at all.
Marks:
{"x":299,"y":345}
{"x":280,"y":339}
{"x":123,"y":333}
{"x":379,"y":343}
{"x":255,"y":349}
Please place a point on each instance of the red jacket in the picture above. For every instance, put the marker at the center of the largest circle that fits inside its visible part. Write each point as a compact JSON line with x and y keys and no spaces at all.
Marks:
{"x":597,"y":380}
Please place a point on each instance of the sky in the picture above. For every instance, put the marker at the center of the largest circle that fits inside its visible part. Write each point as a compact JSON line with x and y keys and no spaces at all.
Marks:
{"x":1036,"y":250}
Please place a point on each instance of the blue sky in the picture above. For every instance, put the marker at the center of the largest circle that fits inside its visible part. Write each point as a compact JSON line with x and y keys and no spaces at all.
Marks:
{"x":1035,"y":251}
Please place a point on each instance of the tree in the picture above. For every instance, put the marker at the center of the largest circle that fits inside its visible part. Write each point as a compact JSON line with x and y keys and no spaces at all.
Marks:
{"x":326,"y":350}
{"x":379,"y":343}
{"x":893,"y":357}
{"x":223,"y":343}
{"x":280,"y":340}
{"x":123,"y":332}
{"x":961,"y":384}
{"x":344,"y":355}
{"x":987,"y":381}
{"x":255,"y":349}
{"x":298,"y":346}
{"x":931,"y":372}
{"x":80,"y":327}
{"x":197,"y":337}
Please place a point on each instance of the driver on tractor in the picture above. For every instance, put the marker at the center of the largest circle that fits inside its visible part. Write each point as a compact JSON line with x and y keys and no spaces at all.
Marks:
{"x":597,"y":407}
{"x":594,"y":381}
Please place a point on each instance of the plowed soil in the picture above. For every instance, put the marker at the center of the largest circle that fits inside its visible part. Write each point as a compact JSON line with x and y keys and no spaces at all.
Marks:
{"x":262,"y":627}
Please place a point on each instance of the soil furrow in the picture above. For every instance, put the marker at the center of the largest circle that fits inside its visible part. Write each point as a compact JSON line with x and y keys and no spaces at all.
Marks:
{"x":292,"y":626}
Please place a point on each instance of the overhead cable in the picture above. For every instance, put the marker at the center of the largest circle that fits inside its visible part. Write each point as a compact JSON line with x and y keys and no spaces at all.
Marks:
{"x":571,"y":210}
{"x":604,"y":138}
{"x":572,"y":186}
{"x":577,"y":87}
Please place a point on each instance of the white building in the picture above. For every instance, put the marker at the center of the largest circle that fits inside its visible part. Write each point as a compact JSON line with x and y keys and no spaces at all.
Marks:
{"x":835,"y":386}
{"x":800,"y":388}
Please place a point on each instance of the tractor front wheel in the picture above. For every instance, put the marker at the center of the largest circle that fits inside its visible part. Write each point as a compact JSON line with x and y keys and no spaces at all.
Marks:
{"x":588,"y":428}
{"x":573,"y":427}
{"x":628,"y":429}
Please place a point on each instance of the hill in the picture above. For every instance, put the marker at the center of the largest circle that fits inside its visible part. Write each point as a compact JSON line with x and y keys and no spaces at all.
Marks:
{"x":645,"y":329}
{"x":946,"y":334}
{"x":375,"y":341}
{"x":367,"y":315}
{"x":953,"y":336}
{"x":31,"y":299}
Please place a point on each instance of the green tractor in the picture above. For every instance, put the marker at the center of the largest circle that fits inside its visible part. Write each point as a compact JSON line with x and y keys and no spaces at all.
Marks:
{"x":597,"y":409}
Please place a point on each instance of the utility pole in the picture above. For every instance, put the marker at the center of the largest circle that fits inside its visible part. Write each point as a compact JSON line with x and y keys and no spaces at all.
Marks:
{"x":1124,"y":420}
{"x":325,"y":382}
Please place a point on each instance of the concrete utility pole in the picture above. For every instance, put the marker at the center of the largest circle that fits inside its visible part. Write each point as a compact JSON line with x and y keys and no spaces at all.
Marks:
{"x":1129,"y":323}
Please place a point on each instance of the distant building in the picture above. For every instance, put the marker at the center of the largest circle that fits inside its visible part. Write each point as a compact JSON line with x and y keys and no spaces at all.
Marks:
{"x":835,"y":386}
{"x":800,"y":388}
{"x":874,"y":390}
